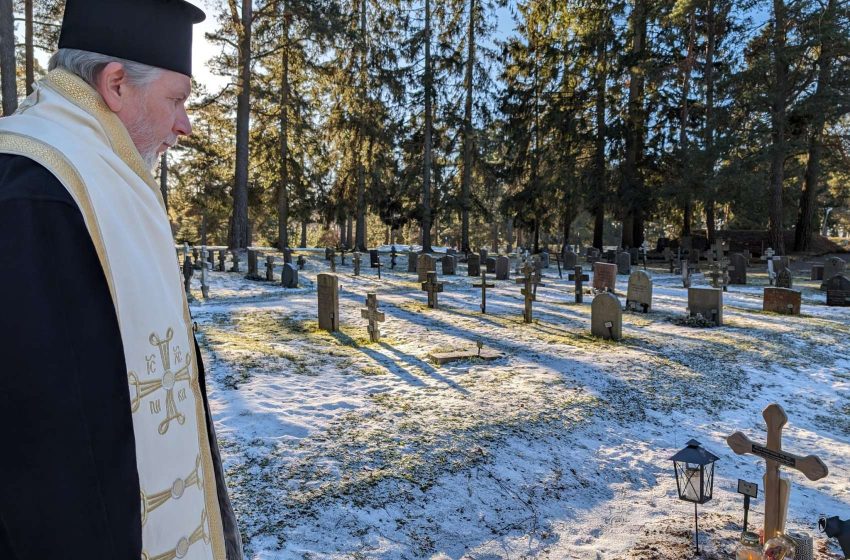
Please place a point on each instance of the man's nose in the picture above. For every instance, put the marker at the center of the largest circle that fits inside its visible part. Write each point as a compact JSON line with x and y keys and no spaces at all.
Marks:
{"x":182,"y":126}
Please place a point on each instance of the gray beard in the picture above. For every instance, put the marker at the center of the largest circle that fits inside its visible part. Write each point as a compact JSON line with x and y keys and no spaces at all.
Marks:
{"x":147,"y":145}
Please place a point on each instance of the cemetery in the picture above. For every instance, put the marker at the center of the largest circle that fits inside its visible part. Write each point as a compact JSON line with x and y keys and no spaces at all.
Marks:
{"x":358,"y":414}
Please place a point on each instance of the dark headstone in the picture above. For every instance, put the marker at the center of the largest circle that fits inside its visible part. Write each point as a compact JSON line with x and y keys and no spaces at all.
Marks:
{"x":738,"y":275}
{"x":374,"y":258}
{"x":604,"y":276}
{"x":289,"y":276}
{"x":328,"y":294}
{"x":782,"y":300}
{"x":301,"y":262}
{"x":287,"y":255}
{"x":706,"y":302}
{"x":784,"y":278}
{"x":411,"y":261}
{"x":473,"y":265}
{"x":222,"y":259}
{"x":491,"y":265}
{"x":624,"y":263}
{"x":838,"y":291}
{"x":832,"y":266}
{"x":449,"y":265}
{"x":606,"y":316}
{"x":503,"y":267}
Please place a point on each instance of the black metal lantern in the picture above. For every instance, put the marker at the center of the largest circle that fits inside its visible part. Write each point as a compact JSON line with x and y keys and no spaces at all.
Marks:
{"x":694,"y":470}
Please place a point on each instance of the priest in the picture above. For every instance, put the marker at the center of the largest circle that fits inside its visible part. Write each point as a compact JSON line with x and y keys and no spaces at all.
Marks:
{"x":108,"y":446}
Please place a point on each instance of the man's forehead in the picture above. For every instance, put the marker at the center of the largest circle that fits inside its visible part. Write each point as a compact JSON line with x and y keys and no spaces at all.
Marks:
{"x":176,"y":82}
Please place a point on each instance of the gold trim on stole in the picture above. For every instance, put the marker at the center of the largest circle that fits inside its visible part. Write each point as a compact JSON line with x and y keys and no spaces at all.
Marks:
{"x":66,"y":173}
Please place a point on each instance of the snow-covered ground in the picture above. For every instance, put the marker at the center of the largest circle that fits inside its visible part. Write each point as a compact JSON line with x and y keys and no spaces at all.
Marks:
{"x":340,"y":448}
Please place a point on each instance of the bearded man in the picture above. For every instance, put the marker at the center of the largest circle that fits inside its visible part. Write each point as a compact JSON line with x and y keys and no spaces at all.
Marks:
{"x":108,"y":446}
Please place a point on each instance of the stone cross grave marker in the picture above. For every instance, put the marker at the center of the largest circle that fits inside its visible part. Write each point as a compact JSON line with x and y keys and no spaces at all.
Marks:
{"x":776,"y":489}
{"x":579,"y":277}
{"x":483,"y":285}
{"x":270,"y":268}
{"x":205,"y":288}
{"x":411,"y":261}
{"x":356,"y":261}
{"x":473,"y":265}
{"x":301,"y":262}
{"x":781,"y":300}
{"x":328,"y":294}
{"x":433,"y":288}
{"x":604,"y":277}
{"x":222,"y":259}
{"x":289,"y":276}
{"x":706,"y":302}
{"x":503,"y":268}
{"x":719,"y":273}
{"x":831,"y":267}
{"x":530,"y":280}
{"x":838,"y":291}
{"x":606,"y":316}
{"x":424,"y":265}
{"x":639,"y":294}
{"x":374,"y":316}
{"x":738,"y":271}
{"x":234,"y":259}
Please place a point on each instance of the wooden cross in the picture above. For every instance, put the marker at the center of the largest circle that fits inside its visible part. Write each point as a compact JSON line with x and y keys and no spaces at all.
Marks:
{"x":483,"y":285}
{"x":222,"y":258}
{"x":776,"y":489}
{"x":530,"y":281}
{"x":579,"y":277}
{"x":270,"y":268}
{"x":433,"y":288}
{"x":374,"y":316}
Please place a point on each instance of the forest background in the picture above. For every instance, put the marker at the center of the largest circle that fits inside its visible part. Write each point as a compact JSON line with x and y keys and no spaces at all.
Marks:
{"x":497,"y":123}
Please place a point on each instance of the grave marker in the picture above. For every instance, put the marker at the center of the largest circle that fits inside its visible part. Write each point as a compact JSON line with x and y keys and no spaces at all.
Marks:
{"x":253,"y":266}
{"x":270,"y":268}
{"x":639,"y":294}
{"x":433,"y":288}
{"x":222,"y":259}
{"x":784,"y":279}
{"x":205,"y":288}
{"x":289,"y":276}
{"x":606,"y":317}
{"x":374,"y":258}
{"x":579,"y":277}
{"x":424,"y":265}
{"x":781,"y":300}
{"x":503,"y":267}
{"x":776,"y":489}
{"x":738,"y":272}
{"x":234,"y":259}
{"x":624,"y":263}
{"x":483,"y":285}
{"x":570,"y":258}
{"x":332,"y":259}
{"x":530,"y":281}
{"x":706,"y":302}
{"x":449,"y":265}
{"x":356,"y":263}
{"x":287,"y":255}
{"x":838,"y":291}
{"x":473,"y":265}
{"x":188,"y":270}
{"x":328,"y":294}
{"x":491,"y":265}
{"x":604,"y":277}
{"x":831,"y":267}
{"x":301,"y":262}
{"x":411,"y":261}
{"x":374,"y":316}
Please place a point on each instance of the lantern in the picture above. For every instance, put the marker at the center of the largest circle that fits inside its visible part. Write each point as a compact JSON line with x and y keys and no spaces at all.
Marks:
{"x":694,"y":470}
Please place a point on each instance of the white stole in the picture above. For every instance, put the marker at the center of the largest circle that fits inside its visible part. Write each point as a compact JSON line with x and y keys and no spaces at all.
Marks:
{"x":66,"y":127}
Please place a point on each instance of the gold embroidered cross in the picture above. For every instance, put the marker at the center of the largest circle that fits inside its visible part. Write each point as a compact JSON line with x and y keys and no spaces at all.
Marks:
{"x":168,"y":380}
{"x":175,"y":492}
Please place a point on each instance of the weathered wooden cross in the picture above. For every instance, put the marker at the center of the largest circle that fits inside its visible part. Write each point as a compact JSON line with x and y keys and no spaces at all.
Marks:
{"x":433,"y":288}
{"x":579,"y":277}
{"x":483,"y":285}
{"x":530,"y":281}
{"x":374,"y":316}
{"x":776,"y":489}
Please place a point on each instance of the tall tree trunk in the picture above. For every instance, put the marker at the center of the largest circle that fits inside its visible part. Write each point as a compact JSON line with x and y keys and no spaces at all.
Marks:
{"x":426,"y":180}
{"x":303,"y":243}
{"x":360,"y":234}
{"x":283,"y":187}
{"x":711,"y":42}
{"x":687,"y":183}
{"x":240,"y":234}
{"x":349,"y":233}
{"x":635,"y":128}
{"x":808,"y":197}
{"x":28,"y":48}
{"x":779,"y":122}
{"x":466,"y":182}
{"x":8,"y":80}
{"x":599,"y":165}
{"x":163,"y":178}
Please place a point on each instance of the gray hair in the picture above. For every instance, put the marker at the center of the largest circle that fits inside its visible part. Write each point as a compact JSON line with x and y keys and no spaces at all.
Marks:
{"x":88,"y":66}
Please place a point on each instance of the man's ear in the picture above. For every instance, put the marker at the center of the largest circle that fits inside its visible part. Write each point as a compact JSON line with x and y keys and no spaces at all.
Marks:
{"x":112,"y":85}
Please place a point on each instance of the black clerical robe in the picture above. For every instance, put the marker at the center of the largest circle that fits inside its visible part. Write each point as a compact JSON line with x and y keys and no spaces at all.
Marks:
{"x":69,"y":486}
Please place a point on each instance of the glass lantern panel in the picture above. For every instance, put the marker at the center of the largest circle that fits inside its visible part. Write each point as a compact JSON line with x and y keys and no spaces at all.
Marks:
{"x":691,"y":489}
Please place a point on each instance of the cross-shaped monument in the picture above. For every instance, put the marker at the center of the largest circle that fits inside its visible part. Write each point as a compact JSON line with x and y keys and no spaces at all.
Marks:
{"x":530,"y":281}
{"x":579,"y":277}
{"x":776,"y":489}
{"x":483,"y":285}
{"x":433,"y":288}
{"x":374,"y":316}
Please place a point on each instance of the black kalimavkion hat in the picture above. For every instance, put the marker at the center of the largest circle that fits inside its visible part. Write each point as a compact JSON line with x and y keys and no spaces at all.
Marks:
{"x":153,"y":32}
